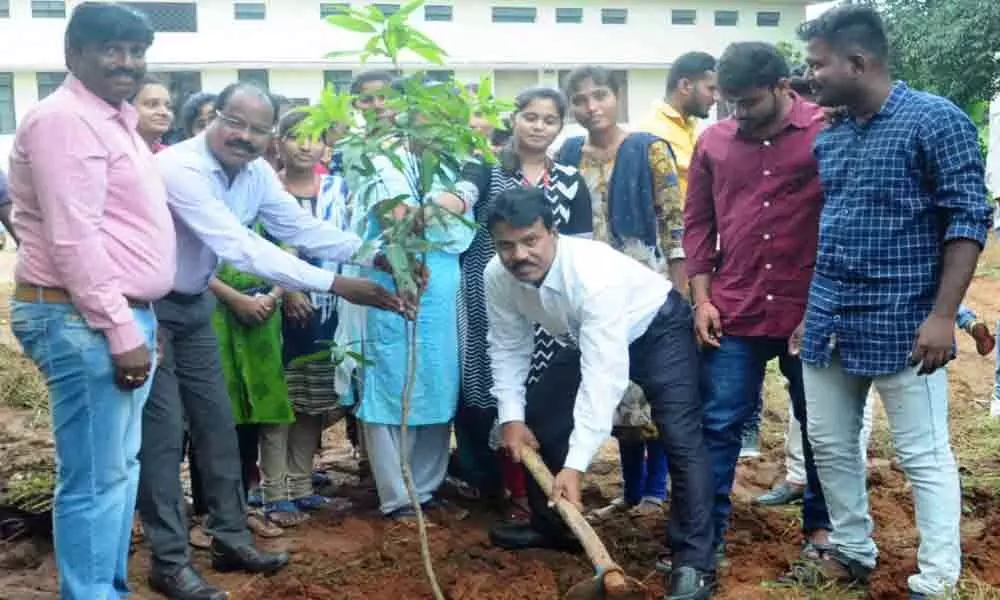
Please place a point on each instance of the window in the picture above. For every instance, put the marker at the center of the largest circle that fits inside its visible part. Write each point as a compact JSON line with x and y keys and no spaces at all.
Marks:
{"x":48,"y":9}
{"x":4,"y":9}
{"x":438,"y":12}
{"x":621,"y":77}
{"x":169,"y":17}
{"x":387,"y":9}
{"x":328,"y":9}
{"x":514,"y":14}
{"x":441,"y":75}
{"x":249,"y":11}
{"x":340,"y":80}
{"x":569,"y":15}
{"x":768,"y":18}
{"x":255,"y":76}
{"x":683,"y":16}
{"x":727,"y":18}
{"x":8,"y":121}
{"x":48,"y":82}
{"x":614,"y":16}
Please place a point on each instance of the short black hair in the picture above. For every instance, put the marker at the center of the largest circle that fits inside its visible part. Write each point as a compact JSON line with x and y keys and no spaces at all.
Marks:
{"x":599,"y":75}
{"x":521,"y":207}
{"x":290,"y":122}
{"x":691,"y":66}
{"x":232,"y":89}
{"x":850,"y":27}
{"x":98,"y":23}
{"x":191,"y":109}
{"x":369,"y":76}
{"x":749,"y":65}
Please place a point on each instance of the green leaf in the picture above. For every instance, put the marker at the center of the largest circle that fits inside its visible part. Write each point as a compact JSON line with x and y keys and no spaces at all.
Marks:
{"x":402,"y":271}
{"x":407,"y":9}
{"x":427,"y":53}
{"x":340,"y":53}
{"x":351,"y":23}
{"x":428,"y":170}
{"x":315,"y":357}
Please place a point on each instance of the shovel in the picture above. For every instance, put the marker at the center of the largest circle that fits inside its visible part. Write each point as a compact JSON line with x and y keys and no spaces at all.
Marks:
{"x":610,"y":581}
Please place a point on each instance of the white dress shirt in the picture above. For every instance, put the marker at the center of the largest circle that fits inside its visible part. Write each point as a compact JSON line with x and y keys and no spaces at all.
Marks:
{"x":593,"y":297}
{"x":212,"y":216}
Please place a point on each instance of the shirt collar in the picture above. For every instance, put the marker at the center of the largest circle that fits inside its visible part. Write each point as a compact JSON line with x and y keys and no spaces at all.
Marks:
{"x":802,"y":114}
{"x":892,"y":103}
{"x":554,"y":276}
{"x":669,"y":112}
{"x":125,"y":112}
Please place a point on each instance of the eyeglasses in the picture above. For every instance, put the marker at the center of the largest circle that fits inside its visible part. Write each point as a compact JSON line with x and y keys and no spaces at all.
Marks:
{"x":237,"y":124}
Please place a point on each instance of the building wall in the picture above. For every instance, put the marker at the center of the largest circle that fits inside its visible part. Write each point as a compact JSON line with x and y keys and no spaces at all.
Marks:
{"x":292,"y":41}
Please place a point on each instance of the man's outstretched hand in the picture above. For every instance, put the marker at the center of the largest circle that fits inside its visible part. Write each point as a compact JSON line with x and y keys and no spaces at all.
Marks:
{"x":365,"y":292}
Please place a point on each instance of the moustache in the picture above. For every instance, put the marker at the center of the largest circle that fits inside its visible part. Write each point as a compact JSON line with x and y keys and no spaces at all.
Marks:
{"x":241,"y":145}
{"x":524,"y":264}
{"x":123,"y":71}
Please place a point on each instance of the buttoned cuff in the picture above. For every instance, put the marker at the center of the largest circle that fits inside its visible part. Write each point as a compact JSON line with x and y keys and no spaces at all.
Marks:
{"x":510,"y":410}
{"x":579,"y":457}
{"x":124,"y":337}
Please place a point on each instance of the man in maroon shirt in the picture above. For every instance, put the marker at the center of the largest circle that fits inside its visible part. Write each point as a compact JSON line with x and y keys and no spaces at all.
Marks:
{"x":751,"y":223}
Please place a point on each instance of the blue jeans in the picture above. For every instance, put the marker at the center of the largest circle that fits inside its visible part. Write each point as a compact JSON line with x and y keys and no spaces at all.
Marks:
{"x":644,"y":469}
{"x":731,"y":380}
{"x":97,"y":430}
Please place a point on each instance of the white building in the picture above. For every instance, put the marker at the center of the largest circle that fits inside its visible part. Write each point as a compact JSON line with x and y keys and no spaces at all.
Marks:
{"x":207,"y":44}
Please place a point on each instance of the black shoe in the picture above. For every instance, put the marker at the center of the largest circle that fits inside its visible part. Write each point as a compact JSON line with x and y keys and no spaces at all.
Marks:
{"x":184,"y":584}
{"x":688,"y":583}
{"x":520,"y":536}
{"x":246,"y":558}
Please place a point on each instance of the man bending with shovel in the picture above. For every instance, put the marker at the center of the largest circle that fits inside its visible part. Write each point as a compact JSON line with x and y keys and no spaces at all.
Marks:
{"x":621,"y":321}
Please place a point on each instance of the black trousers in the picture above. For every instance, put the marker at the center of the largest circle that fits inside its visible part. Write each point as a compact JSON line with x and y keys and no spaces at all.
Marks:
{"x":664,"y":363}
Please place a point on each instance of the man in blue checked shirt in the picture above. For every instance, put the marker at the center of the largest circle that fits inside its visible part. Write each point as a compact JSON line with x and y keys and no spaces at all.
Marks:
{"x":904,"y":221}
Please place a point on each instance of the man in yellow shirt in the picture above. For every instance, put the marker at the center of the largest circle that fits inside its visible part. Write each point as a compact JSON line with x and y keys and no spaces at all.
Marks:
{"x":691,"y":91}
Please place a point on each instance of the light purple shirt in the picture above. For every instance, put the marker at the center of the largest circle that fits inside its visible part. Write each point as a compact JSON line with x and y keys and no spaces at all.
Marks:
{"x":91,"y":210}
{"x":213,"y":216}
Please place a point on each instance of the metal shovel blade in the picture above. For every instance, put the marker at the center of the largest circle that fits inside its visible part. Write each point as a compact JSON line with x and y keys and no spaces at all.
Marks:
{"x":593,"y":589}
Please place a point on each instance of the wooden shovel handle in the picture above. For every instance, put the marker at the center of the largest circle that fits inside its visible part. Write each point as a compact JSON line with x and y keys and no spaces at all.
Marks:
{"x":614,"y":577}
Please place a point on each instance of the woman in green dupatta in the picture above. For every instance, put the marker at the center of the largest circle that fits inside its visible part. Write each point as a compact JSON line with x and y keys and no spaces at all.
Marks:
{"x":248,"y":325}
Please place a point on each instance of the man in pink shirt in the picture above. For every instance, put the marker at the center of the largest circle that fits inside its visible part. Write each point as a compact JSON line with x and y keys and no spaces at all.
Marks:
{"x":97,"y":246}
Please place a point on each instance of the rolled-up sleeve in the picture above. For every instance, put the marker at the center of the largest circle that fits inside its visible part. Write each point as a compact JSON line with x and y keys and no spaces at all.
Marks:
{"x":191,"y":200}
{"x":510,"y":340}
{"x":950,"y":142}
{"x":69,"y":167}
{"x":700,"y":230}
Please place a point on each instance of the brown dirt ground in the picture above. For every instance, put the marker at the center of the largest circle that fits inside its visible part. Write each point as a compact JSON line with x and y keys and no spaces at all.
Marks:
{"x":359,"y":556}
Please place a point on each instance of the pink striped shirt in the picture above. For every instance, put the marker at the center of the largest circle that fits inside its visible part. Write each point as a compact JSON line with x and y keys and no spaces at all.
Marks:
{"x":91,"y":210}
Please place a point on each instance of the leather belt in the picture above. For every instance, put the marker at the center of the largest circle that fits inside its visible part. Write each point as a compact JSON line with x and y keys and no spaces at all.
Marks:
{"x":25,"y":292}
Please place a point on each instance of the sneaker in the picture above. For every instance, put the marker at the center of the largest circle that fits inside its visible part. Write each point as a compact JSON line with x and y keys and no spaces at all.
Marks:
{"x":751,"y":444}
{"x":985,"y":342}
{"x":781,"y":494}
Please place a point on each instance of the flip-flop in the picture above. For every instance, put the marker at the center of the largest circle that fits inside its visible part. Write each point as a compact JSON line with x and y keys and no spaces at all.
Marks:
{"x":199,"y":538}
{"x":259,"y":525}
{"x":285,"y":514}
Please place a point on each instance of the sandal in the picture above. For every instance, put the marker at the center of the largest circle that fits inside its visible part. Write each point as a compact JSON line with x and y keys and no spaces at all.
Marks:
{"x":199,"y":538}
{"x":285,"y":514}
{"x":442,"y":506}
{"x":829,"y":567}
{"x":261,"y":526}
